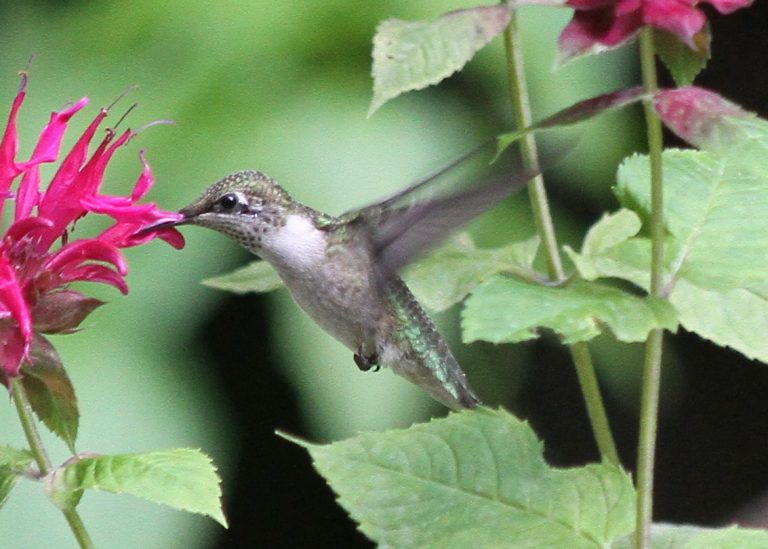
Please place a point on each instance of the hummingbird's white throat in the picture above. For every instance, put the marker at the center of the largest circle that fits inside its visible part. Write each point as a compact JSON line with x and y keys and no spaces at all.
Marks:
{"x":298,"y":243}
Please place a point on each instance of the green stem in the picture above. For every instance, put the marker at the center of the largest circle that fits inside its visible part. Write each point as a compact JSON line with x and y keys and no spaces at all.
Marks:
{"x":649,"y":403}
{"x":24,"y":409}
{"x":546,"y":229}
{"x":518,"y":93}
{"x":585,"y":371}
{"x":78,"y":528}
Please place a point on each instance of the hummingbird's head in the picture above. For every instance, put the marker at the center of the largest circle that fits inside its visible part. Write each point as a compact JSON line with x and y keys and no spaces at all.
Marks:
{"x":244,"y":205}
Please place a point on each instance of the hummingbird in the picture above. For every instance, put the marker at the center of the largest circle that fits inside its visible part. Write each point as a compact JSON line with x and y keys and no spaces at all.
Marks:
{"x":343,"y":270}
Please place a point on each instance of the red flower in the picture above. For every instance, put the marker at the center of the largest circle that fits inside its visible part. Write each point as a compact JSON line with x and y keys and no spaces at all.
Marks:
{"x":34,"y":273}
{"x":599,"y":25}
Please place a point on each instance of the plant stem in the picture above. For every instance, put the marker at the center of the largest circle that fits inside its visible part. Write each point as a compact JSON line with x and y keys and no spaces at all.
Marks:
{"x":518,"y":92}
{"x":24,"y":409}
{"x":585,"y":371}
{"x":78,"y":528}
{"x":649,"y":404}
{"x":582,"y":359}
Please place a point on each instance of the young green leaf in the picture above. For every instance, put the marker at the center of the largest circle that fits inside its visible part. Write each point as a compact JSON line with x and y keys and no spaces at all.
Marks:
{"x":609,"y":250}
{"x":12,"y":463}
{"x":447,"y":275}
{"x":413,"y":55}
{"x":611,"y":230}
{"x":509,"y":310}
{"x":50,"y":391}
{"x":473,"y":479}
{"x":683,"y":62}
{"x":257,"y":276}
{"x":182,"y":478}
{"x":671,"y":536}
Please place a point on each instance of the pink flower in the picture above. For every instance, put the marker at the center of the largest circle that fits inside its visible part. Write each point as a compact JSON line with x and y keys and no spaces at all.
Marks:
{"x":38,"y":259}
{"x":599,"y":25}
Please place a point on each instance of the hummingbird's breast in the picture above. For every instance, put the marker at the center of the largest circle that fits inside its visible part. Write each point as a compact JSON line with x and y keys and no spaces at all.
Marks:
{"x":330,"y":281}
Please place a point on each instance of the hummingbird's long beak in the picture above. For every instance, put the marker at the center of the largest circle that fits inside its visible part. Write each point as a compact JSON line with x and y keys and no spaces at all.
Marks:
{"x":163,"y":225}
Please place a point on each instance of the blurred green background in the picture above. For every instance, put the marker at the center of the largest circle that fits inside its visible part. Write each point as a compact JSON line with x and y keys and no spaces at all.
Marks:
{"x":282,"y":87}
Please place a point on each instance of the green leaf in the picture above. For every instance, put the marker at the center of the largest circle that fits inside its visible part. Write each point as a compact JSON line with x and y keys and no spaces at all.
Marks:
{"x":473,"y":479}
{"x":413,"y":55}
{"x":670,"y":536}
{"x":715,"y":261}
{"x":609,"y":250}
{"x":257,"y":276}
{"x":715,"y":210}
{"x":683,"y":62}
{"x":182,"y":478}
{"x":447,"y":275}
{"x":50,"y":391}
{"x":13,"y":462}
{"x":611,"y":230}
{"x":509,"y":310}
{"x":736,"y":318}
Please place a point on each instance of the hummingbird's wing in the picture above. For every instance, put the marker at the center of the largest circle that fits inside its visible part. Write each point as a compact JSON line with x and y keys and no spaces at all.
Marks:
{"x":402,"y":235}
{"x":401,"y":228}
{"x":412,"y":190}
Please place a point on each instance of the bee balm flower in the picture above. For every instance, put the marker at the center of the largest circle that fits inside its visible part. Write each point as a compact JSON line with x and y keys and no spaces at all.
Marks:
{"x":39,"y":259}
{"x":604,"y":24}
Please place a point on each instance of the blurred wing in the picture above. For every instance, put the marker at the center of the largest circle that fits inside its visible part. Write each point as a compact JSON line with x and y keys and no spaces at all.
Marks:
{"x":400,"y":235}
{"x":413,"y":189}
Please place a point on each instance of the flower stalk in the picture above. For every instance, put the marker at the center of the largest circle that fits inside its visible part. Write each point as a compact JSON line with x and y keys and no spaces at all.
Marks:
{"x":649,"y":404}
{"x":24,"y":410}
{"x":545,"y":227}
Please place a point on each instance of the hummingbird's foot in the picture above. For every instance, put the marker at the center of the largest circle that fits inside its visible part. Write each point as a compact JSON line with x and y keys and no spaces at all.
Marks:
{"x":366,"y":362}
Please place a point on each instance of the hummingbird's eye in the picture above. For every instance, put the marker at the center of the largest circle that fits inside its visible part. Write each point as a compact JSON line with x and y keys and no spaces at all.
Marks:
{"x":229,"y":201}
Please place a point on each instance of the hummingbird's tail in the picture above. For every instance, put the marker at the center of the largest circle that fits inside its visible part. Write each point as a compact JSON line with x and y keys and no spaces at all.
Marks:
{"x":435,"y":370}
{"x":424,"y":356}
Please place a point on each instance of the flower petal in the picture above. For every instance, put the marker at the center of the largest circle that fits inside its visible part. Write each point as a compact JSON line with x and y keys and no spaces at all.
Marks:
{"x":131,"y":218}
{"x":12,"y":298}
{"x":13,"y":350}
{"x":127,"y":236}
{"x":171,"y":236}
{"x":596,"y":30}
{"x":76,"y":253}
{"x":64,"y":179}
{"x":681,"y":20}
{"x":729,"y":6}
{"x":96,"y":273}
{"x":49,"y":144}
{"x":9,"y":145}
{"x":23,"y":227}
{"x":63,"y":206}
{"x":145,"y":181}
{"x":115,"y":207}
{"x":28,"y":195}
